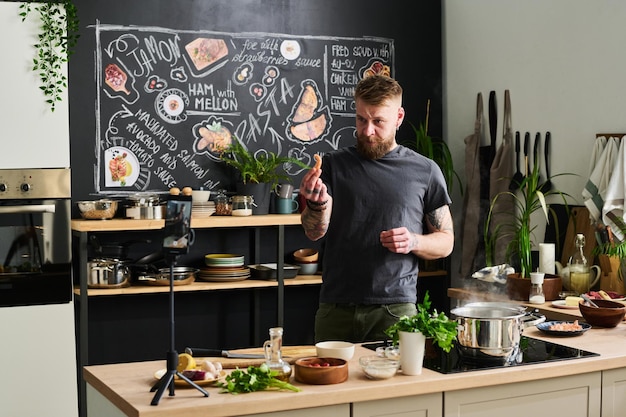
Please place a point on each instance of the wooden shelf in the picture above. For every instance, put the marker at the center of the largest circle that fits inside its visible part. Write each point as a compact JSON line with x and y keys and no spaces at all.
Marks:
{"x":201,"y":286}
{"x":117,"y":225}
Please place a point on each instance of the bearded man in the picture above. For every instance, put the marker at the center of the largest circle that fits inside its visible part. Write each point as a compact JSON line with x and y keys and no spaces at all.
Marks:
{"x":379,"y":206}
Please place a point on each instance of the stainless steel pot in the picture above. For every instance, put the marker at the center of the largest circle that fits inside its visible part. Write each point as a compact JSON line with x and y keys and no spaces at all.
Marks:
{"x":145,"y":206}
{"x":107,"y":272}
{"x":492,"y":330}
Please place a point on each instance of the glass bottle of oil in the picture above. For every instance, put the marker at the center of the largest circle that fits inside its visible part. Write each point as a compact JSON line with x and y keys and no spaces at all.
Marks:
{"x":273,"y":354}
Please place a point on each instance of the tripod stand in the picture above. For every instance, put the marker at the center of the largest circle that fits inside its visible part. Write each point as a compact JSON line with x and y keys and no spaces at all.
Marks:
{"x":167,"y":380}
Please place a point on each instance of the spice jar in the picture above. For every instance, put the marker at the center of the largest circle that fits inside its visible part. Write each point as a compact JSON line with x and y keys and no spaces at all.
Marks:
{"x":222,"y":205}
{"x":242,"y":205}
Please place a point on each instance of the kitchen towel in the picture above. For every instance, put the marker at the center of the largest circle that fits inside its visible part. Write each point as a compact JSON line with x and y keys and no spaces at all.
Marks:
{"x":501,"y":173}
{"x":547,"y":258}
{"x":471,"y":198}
{"x":613,"y":209}
{"x":598,"y":182}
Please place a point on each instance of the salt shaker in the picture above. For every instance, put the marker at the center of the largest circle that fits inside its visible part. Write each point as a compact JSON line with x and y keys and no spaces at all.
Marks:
{"x":536,"y":295}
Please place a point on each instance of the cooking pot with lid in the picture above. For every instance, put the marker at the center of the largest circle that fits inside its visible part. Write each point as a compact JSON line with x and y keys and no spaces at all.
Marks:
{"x":107,"y":272}
{"x":145,"y":206}
{"x":491,"y":330}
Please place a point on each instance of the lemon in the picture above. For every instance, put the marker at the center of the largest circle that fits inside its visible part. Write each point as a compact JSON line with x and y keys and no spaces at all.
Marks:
{"x":185,"y":361}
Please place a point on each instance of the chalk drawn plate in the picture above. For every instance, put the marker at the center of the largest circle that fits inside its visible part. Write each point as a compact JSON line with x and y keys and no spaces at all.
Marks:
{"x":170,"y":105}
{"x":124,"y":156}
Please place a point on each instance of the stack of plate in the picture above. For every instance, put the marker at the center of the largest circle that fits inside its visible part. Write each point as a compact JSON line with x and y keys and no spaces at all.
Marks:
{"x":224,"y":267}
{"x":202,"y":209}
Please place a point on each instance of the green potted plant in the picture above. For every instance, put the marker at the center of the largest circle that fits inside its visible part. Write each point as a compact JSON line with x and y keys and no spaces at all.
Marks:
{"x":519,"y":231}
{"x":411,"y":332}
{"x":611,"y":256}
{"x":259,"y":172}
{"x":437,"y":150}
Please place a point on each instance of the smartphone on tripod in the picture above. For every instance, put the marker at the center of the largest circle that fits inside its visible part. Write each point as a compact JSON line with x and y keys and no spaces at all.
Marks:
{"x":177,"y":235}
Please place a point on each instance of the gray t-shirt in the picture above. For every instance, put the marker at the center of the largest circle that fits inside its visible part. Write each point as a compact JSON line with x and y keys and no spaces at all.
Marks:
{"x":370,"y":196}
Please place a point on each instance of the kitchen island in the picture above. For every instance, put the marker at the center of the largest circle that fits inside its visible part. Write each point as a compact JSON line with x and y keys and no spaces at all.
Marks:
{"x":590,"y":386}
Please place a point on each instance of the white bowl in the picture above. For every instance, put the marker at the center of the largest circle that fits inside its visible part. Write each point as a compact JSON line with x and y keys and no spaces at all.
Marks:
{"x":335,"y":349}
{"x":200,"y":196}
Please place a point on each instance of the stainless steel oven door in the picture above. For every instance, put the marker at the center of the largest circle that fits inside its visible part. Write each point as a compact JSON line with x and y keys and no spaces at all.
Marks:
{"x":35,"y":252}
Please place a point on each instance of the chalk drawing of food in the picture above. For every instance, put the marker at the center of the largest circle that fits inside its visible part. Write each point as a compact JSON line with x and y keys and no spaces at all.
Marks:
{"x":205,"y":51}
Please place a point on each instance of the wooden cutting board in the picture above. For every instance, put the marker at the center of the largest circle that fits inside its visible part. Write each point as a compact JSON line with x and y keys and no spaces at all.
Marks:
{"x":290,"y":354}
{"x":579,"y":223}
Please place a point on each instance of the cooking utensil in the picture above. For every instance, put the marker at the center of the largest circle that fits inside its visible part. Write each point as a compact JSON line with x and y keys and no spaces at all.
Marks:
{"x":223,"y":353}
{"x":526,"y":148}
{"x":493,"y":118}
{"x":491,"y":331}
{"x":588,"y":300}
{"x":536,"y":164}
{"x":518,"y":177}
{"x":547,"y":186}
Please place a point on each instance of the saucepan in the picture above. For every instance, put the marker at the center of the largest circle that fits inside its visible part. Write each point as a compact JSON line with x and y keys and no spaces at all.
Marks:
{"x":492,"y":330}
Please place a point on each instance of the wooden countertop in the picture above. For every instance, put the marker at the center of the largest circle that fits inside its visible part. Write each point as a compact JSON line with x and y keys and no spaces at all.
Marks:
{"x":128,"y":385}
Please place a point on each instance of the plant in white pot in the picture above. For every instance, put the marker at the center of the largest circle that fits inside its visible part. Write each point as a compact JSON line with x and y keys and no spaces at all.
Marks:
{"x":411,"y":332}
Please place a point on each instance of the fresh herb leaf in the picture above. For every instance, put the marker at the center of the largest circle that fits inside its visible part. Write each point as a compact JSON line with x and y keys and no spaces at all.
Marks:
{"x":431,"y":324}
{"x":254,"y":379}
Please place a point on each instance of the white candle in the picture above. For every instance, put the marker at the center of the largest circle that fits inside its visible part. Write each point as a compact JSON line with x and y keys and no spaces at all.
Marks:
{"x":546,"y":258}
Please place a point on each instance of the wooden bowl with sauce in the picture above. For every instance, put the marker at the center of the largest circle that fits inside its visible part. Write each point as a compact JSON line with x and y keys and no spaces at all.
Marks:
{"x":321,"y":371}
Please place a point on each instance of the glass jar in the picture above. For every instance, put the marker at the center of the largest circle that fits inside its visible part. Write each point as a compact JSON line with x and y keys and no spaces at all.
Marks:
{"x":222,"y":204}
{"x":242,"y":205}
{"x":579,"y":271}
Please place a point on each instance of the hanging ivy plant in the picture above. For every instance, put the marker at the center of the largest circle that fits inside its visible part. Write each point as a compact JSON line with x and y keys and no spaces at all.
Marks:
{"x":56,"y":41}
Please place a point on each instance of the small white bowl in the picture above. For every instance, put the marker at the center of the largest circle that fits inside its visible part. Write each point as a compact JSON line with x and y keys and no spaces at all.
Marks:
{"x":200,"y":196}
{"x":335,"y":349}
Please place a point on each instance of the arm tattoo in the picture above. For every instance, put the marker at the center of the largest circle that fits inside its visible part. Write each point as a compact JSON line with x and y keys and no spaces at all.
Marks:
{"x":314,"y":223}
{"x":438,"y":219}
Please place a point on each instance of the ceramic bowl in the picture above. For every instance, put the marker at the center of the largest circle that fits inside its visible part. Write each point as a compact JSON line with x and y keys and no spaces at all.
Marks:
{"x":608,"y":314}
{"x":379,"y":367}
{"x":308,"y":268}
{"x":200,"y":196}
{"x":335,"y":349}
{"x":306,"y":255}
{"x":321,"y":371}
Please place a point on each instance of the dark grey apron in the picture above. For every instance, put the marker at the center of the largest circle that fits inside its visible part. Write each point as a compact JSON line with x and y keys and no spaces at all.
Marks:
{"x":471,"y":199}
{"x":500,"y":178}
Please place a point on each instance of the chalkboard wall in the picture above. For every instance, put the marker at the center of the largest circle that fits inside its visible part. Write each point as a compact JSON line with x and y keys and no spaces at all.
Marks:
{"x":156,"y":86}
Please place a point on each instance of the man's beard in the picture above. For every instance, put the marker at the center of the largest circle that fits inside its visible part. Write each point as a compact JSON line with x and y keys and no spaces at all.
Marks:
{"x":373,"y":151}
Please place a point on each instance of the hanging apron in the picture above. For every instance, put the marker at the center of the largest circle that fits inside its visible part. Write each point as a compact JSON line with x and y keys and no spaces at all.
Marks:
{"x":471,"y":198}
{"x":501,"y":173}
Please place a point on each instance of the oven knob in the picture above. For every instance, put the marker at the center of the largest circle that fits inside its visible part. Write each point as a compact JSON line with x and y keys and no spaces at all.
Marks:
{"x":25,"y":187}
{"x":3,"y":187}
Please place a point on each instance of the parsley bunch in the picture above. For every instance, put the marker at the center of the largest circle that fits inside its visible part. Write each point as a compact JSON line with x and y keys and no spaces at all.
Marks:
{"x":431,"y":324}
{"x":254,"y":379}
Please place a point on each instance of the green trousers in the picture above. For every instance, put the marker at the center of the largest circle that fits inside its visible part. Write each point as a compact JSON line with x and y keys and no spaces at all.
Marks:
{"x":358,"y":322}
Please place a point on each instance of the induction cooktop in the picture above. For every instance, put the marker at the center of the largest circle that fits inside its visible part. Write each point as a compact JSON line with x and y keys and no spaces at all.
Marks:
{"x":531,"y":351}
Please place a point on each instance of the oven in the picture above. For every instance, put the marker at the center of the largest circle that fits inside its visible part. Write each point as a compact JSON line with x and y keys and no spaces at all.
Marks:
{"x":35,"y":237}
{"x":36,"y":296}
